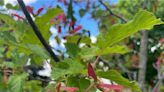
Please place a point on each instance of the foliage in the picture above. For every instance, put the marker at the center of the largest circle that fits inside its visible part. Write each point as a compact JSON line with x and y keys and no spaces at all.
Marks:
{"x":20,"y":43}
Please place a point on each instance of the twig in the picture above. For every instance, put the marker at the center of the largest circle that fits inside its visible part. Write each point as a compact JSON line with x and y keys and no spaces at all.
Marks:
{"x":122,"y":67}
{"x":160,"y":78}
{"x":89,"y":87}
{"x":36,"y":30}
{"x":96,"y":61}
{"x":111,"y":12}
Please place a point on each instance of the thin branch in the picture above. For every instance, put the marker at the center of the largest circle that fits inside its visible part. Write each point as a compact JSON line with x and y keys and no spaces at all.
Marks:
{"x":89,"y":87}
{"x":96,"y":61}
{"x":111,"y":12}
{"x":37,"y":32}
{"x":160,"y":78}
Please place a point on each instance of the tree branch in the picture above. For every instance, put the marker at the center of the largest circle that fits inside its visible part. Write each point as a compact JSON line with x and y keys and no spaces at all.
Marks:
{"x":36,"y":31}
{"x":111,"y":12}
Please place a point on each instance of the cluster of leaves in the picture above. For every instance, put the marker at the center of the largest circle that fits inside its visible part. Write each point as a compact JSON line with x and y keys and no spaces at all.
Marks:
{"x":21,"y":43}
{"x":128,"y":9}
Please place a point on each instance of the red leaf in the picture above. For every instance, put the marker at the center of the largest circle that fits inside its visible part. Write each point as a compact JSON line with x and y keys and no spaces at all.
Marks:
{"x":71,"y":23}
{"x":59,"y":0}
{"x":158,"y":62}
{"x":11,"y":30}
{"x":88,"y":3}
{"x":64,"y":19}
{"x":52,"y":20}
{"x":65,"y":2}
{"x":59,"y":29}
{"x":76,"y":29}
{"x":58,"y":87}
{"x":65,"y":37}
{"x":70,"y":89}
{"x":161,"y":40}
{"x":131,"y":46}
{"x":60,"y":16}
{"x":110,"y":86}
{"x":16,"y":15}
{"x":91,"y":72}
{"x":39,"y":10}
{"x":30,"y":9}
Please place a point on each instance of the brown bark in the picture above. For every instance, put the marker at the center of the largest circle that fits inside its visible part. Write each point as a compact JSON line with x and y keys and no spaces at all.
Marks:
{"x":143,"y":58}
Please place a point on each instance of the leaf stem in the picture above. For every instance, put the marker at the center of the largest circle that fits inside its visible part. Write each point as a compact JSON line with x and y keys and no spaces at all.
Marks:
{"x":36,"y":31}
{"x":89,"y":87}
{"x":111,"y":12}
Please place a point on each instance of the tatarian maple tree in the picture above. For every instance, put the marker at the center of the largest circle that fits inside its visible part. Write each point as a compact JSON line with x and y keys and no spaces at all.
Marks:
{"x":25,"y":36}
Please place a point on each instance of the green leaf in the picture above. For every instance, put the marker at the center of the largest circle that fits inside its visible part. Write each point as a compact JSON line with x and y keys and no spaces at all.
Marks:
{"x":18,"y":27}
{"x":8,"y":64}
{"x":85,"y":39}
{"x":74,"y":39}
{"x":16,"y":82}
{"x":113,"y":75}
{"x":33,"y":86}
{"x":72,"y":49}
{"x":143,"y":20}
{"x":4,"y":27}
{"x":89,"y":52}
{"x":10,"y":6}
{"x":30,"y":37}
{"x":38,"y":50}
{"x":70,"y":12}
{"x":2,"y":2}
{"x":80,"y":83}
{"x":8,"y":20}
{"x":82,"y":12}
{"x":114,"y":49}
{"x":7,"y":37}
{"x":43,"y":22}
{"x":68,"y":66}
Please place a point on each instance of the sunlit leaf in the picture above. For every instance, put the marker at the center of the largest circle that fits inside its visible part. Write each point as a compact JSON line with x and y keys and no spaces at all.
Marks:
{"x":111,"y":86}
{"x":72,"y":49}
{"x":91,"y":72}
{"x":113,"y":75}
{"x":43,"y":22}
{"x":143,"y":20}
{"x":73,"y":67}
{"x":16,"y":82}
{"x":81,"y":83}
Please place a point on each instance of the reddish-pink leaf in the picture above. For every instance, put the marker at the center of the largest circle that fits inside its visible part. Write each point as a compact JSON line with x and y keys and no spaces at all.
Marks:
{"x":59,"y":0}
{"x":30,"y":9}
{"x":39,"y":10}
{"x":158,"y":62}
{"x":110,"y":86}
{"x":71,"y":23}
{"x":161,"y":40}
{"x":76,"y":29}
{"x":16,"y":15}
{"x":65,"y":37}
{"x":88,"y":5}
{"x":70,"y":89}
{"x":52,"y":20}
{"x":131,"y":46}
{"x":64,"y":19}
{"x":59,"y":29}
{"x":11,"y":30}
{"x":91,"y":72}
{"x":60,"y":16}
{"x":58,"y":87}
{"x":65,"y":2}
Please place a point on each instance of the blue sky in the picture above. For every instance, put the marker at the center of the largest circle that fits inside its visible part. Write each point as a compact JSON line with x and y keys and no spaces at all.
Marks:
{"x":86,"y":21}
